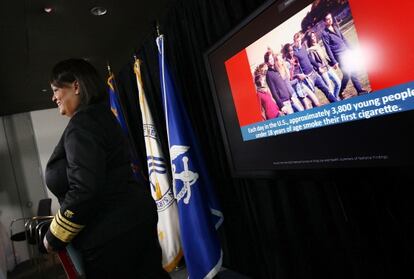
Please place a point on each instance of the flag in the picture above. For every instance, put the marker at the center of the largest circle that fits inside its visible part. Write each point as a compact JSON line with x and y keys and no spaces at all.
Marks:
{"x":115,"y":104}
{"x":117,"y":111}
{"x":198,"y":209}
{"x":160,"y":182}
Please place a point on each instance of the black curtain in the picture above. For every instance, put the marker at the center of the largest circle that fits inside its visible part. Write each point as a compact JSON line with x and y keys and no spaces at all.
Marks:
{"x":329,"y":223}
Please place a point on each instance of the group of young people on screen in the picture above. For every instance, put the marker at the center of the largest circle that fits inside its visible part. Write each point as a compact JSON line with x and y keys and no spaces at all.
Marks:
{"x":287,"y":81}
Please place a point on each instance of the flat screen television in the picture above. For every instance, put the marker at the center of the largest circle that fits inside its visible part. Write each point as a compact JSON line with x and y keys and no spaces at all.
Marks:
{"x":279,"y":85}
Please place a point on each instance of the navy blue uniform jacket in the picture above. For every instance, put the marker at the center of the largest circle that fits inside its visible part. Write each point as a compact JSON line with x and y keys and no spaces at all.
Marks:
{"x":89,"y":172}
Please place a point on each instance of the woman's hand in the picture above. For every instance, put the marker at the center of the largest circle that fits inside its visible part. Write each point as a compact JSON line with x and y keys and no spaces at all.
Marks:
{"x":301,"y":76}
{"x":285,"y":110}
{"x":48,"y":247}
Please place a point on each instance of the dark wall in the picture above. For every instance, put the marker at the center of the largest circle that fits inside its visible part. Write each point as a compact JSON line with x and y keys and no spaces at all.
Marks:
{"x":345,"y":223}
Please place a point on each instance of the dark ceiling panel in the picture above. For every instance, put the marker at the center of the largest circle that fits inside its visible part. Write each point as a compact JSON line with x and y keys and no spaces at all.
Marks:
{"x":12,"y":13}
{"x":33,"y":41}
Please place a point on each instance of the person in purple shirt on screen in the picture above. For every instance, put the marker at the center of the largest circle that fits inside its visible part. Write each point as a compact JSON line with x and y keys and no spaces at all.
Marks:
{"x":307,"y":65}
{"x":302,"y":89}
{"x":277,"y":78}
{"x":318,"y":53}
{"x":336,"y":46}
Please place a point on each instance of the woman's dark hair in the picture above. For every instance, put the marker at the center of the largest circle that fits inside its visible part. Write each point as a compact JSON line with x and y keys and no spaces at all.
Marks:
{"x":325,"y":15}
{"x":308,"y":38}
{"x":257,"y":80}
{"x":91,"y":86}
{"x":285,"y":50}
{"x":267,"y":55}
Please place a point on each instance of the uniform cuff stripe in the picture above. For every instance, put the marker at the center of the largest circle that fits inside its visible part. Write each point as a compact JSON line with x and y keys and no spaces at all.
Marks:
{"x":66,"y":227}
{"x":66,"y":221}
{"x":60,"y":232}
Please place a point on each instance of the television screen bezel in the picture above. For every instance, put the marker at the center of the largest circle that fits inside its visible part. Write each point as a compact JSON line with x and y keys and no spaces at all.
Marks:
{"x":286,"y":9}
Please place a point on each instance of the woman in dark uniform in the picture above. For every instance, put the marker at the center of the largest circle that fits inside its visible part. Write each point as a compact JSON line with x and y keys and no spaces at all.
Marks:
{"x":104,"y":212}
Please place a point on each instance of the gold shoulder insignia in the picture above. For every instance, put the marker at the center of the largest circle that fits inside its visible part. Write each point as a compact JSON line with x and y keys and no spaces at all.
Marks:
{"x":68,"y":213}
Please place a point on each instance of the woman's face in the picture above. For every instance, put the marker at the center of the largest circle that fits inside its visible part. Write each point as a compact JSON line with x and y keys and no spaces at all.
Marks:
{"x":262,"y":80}
{"x":313,"y":38}
{"x":271,"y":60}
{"x":278,"y":58}
{"x":297,"y":40}
{"x":67,"y":98}
{"x":290,"y":51}
{"x":328,"y":20}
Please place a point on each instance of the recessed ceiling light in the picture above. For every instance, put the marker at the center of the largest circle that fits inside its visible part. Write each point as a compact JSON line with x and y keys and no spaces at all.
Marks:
{"x":44,"y":90}
{"x":98,"y":11}
{"x":48,"y":9}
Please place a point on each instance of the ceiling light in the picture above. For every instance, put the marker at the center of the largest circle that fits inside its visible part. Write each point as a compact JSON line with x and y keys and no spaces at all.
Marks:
{"x":98,"y":11}
{"x":48,"y":9}
{"x":44,"y":90}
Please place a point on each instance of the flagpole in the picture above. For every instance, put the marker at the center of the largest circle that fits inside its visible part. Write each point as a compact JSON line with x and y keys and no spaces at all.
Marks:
{"x":122,"y":108}
{"x":145,"y":113}
{"x":109,"y":68}
{"x":129,"y":136}
{"x":157,"y":26}
{"x":164,"y":92}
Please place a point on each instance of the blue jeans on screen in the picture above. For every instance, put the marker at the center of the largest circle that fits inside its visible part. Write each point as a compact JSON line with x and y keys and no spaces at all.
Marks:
{"x":330,"y":76}
{"x":318,"y":82}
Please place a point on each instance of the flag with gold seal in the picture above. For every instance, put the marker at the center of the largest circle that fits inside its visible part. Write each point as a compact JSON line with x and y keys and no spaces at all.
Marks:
{"x":160,"y":183}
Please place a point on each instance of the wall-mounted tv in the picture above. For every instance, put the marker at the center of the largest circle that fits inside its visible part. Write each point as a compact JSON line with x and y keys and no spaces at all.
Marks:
{"x":316,"y":84}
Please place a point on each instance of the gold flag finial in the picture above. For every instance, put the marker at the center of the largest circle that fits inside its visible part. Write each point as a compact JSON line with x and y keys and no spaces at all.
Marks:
{"x":108,"y":67}
{"x":157,"y":27}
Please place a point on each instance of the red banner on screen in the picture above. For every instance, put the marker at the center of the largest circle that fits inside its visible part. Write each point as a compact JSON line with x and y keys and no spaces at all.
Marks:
{"x":243,"y":89}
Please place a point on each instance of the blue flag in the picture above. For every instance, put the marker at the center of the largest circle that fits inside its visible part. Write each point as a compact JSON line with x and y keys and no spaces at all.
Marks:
{"x":115,"y":104}
{"x":199,"y":213}
{"x":117,"y":111}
